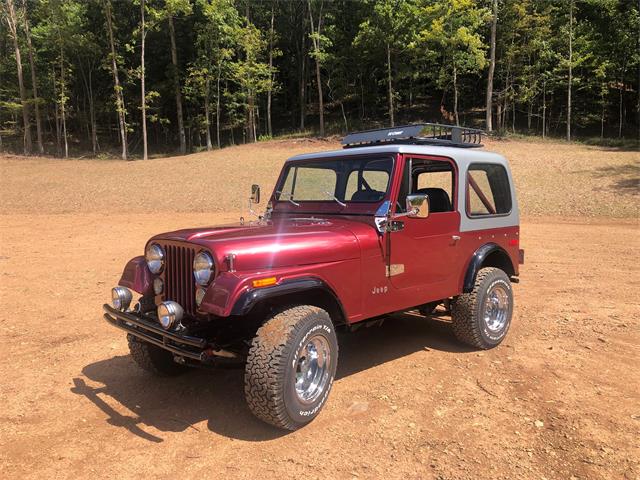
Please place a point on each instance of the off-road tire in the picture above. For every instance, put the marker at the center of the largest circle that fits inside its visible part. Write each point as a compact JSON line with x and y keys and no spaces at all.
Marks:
{"x":468,"y":323}
{"x":153,"y":359}
{"x":269,"y":382}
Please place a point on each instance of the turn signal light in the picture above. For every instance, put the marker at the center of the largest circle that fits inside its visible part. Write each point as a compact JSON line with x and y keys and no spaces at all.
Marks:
{"x":264,"y":282}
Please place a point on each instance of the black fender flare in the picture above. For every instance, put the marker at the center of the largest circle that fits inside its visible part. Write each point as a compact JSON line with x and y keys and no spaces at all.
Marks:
{"x":477,"y":260}
{"x":250,"y":298}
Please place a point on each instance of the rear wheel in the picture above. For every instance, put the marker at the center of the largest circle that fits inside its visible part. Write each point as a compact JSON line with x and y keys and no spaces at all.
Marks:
{"x":481,"y":318}
{"x":153,"y":359}
{"x":291,"y":366}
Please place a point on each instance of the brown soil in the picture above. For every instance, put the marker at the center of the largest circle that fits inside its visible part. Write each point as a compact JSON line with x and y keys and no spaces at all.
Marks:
{"x":558,"y":399}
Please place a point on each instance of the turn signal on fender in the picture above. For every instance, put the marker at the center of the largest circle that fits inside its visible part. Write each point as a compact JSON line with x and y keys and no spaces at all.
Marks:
{"x":264,"y":282}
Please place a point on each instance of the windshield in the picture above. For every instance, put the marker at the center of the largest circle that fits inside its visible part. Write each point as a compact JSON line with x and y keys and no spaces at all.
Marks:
{"x":342,"y":180}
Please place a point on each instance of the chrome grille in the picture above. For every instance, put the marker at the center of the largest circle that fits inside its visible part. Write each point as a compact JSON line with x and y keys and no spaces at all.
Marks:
{"x":179,"y":284}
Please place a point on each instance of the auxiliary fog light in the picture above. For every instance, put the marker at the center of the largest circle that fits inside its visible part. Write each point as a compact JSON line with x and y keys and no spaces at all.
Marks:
{"x":169,"y":314}
{"x":200,"y":292}
{"x":158,"y":285}
{"x":121,"y":298}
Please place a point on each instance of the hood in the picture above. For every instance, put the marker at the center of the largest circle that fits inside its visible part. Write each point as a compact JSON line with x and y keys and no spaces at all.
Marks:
{"x":280,"y":243}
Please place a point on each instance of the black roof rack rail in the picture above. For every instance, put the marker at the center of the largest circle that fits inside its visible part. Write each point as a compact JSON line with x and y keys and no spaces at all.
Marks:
{"x":418,"y":134}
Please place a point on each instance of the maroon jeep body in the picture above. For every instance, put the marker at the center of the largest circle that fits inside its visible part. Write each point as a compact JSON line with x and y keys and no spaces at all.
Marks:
{"x":403,"y":219}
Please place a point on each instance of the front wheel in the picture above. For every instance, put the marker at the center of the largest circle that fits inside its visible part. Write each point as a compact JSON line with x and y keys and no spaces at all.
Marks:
{"x":291,"y":366}
{"x":153,"y":359}
{"x":481,"y":318}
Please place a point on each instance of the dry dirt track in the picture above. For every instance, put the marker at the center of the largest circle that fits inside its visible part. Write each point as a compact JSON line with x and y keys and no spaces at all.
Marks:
{"x":559,"y":399}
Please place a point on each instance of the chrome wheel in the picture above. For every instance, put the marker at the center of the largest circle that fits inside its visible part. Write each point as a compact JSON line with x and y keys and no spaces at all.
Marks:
{"x":312,"y":369}
{"x":496,"y":308}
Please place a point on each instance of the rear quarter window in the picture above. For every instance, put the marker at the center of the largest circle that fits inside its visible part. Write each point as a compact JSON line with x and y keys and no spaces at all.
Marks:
{"x":488,"y":190}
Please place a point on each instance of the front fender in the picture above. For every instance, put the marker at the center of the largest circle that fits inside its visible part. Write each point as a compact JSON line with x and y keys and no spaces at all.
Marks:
{"x":137,"y":277}
{"x":233,"y":294}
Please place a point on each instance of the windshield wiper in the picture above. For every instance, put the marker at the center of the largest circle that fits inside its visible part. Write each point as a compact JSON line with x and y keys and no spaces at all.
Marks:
{"x":288,"y":199}
{"x":333,"y":197}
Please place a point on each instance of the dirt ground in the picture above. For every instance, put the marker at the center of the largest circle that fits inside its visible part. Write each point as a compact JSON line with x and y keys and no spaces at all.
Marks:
{"x":560,"y":398}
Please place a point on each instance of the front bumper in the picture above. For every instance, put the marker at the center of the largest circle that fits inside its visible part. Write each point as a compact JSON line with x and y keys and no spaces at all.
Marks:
{"x":144,"y":328}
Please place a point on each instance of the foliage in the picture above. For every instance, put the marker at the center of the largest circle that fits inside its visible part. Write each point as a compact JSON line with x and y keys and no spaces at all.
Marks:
{"x":415,"y":59}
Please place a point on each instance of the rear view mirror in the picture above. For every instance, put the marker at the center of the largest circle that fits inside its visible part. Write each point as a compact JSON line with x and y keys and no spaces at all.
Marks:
{"x":255,"y":193}
{"x":418,"y":205}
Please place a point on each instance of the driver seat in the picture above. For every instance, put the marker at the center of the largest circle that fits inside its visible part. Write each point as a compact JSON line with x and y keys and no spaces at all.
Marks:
{"x":439,"y":200}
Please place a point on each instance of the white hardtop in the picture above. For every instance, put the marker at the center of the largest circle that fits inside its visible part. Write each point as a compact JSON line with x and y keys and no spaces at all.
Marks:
{"x":463,"y":157}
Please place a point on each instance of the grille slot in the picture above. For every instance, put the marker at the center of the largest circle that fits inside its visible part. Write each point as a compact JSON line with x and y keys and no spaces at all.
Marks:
{"x":179,"y":282}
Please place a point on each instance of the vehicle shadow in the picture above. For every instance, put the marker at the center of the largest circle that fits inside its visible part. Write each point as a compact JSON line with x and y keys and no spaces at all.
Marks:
{"x":135,"y":400}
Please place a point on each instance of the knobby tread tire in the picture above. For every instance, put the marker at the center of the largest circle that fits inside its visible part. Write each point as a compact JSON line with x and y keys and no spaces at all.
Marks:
{"x":153,"y":359}
{"x":465,"y":312}
{"x":267,"y":363}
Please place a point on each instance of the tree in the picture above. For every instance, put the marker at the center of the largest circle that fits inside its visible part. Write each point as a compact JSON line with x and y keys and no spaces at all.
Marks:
{"x":215,"y":37}
{"x":452,"y":27}
{"x":117,"y":88}
{"x":570,"y":81}
{"x":389,"y":29}
{"x":318,"y":55}
{"x":12,"y":23}
{"x":251,"y":74}
{"x":34,"y":79}
{"x":172,"y":9}
{"x":492,"y":67}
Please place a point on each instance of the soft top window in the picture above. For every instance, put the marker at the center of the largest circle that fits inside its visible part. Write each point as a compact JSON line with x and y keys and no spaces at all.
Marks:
{"x":488,"y":190}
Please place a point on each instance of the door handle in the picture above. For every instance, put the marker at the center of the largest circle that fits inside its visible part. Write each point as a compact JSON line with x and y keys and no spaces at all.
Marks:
{"x":455,"y":238}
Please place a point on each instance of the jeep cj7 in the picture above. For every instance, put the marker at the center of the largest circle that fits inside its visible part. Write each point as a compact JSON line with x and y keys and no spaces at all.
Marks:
{"x":409,"y":218}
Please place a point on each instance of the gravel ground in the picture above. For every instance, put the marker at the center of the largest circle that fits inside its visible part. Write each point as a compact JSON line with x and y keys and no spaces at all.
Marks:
{"x":559,"y":398}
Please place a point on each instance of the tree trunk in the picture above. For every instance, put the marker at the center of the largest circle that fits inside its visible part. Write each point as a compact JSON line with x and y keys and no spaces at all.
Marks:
{"x":315,"y":37}
{"x":544,"y":109}
{"x":207,"y":115}
{"x":455,"y":94}
{"x":570,"y":71}
{"x":63,"y":99}
{"x":218,"y":104}
{"x":492,"y":67}
{"x":390,"y":87}
{"x":621,"y":105}
{"x":13,"y":29}
{"x":142,"y":86}
{"x":176,"y":86}
{"x":120,"y":107}
{"x":34,"y":83}
{"x":602,"y":101}
{"x":270,"y":89}
{"x":56,"y":113}
{"x":303,"y":82}
{"x":87,"y":80}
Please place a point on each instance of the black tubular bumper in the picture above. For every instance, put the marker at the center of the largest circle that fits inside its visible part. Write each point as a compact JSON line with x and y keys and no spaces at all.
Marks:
{"x":143,"y":328}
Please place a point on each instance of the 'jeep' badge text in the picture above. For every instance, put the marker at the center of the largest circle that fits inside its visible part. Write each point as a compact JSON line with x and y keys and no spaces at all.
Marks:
{"x":377,"y":290}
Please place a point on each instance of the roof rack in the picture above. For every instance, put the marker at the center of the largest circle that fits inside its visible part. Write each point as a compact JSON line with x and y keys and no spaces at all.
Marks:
{"x":418,"y":134}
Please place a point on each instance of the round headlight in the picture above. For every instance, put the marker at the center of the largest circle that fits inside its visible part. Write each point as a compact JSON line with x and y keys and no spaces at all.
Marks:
{"x":121,"y":298}
{"x":169,"y":314}
{"x":203,"y":268}
{"x":155,"y":258}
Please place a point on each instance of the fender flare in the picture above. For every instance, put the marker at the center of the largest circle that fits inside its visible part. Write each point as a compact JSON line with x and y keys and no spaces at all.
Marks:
{"x":250,"y":298}
{"x":477,"y":260}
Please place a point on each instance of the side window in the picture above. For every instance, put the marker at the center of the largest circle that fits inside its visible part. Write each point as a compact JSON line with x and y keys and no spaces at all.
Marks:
{"x":311,"y":184}
{"x":488,"y":191}
{"x":438,"y":185}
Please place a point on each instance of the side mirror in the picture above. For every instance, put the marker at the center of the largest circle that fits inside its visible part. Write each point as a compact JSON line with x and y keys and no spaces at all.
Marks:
{"x":255,"y":193}
{"x":418,"y":205}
